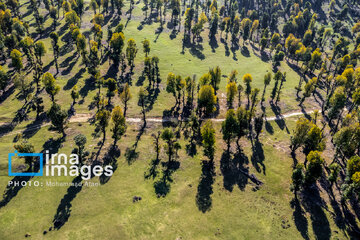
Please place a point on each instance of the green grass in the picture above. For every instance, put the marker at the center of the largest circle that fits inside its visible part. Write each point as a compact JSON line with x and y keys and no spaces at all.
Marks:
{"x":107,"y":211}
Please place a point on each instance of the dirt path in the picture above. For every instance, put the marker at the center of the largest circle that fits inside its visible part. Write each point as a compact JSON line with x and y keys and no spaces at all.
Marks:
{"x":84,"y":117}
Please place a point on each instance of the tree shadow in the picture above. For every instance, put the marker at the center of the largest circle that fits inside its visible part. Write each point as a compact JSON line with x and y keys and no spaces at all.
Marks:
{"x":280,"y":121}
{"x":258,"y":157}
{"x":12,"y":190}
{"x":233,"y":170}
{"x":205,"y":189}
{"x":314,"y":205}
{"x":245,"y":51}
{"x":110,"y":159}
{"x":8,"y":92}
{"x":72,"y":81}
{"x":68,"y":64}
{"x":300,"y":220}
{"x":151,"y":98}
{"x":32,"y":128}
{"x":88,"y":86}
{"x":130,"y":153}
{"x":162,"y":186}
{"x":269,"y":128}
{"x":213,"y":44}
{"x":64,"y":209}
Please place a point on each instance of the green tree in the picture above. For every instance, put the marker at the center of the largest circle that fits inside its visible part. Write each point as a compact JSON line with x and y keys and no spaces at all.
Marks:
{"x":142,"y":102}
{"x":74,"y":94}
{"x":131,"y":51}
{"x":267,"y":80}
{"x":229,"y":127}
{"x":116,"y":45}
{"x":80,"y":141}
{"x":102,"y":121}
{"x":16,"y":60}
{"x":146,"y":47}
{"x":125,"y":97}
{"x":297,"y":178}
{"x":169,"y":137}
{"x":58,"y":117}
{"x":40,"y":51}
{"x":25,"y":147}
{"x":247,"y":79}
{"x":111,"y":88}
{"x":231,"y":90}
{"x":314,"y":169}
{"x":119,"y":123}
{"x":243,"y":123}
{"x":207,"y":100}
{"x":56,"y":49}
{"x":51,"y":87}
{"x":208,"y":139}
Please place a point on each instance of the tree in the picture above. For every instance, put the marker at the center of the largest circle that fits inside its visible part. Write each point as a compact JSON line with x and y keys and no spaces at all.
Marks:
{"x":131,"y":51}
{"x":334,"y":173}
{"x":169,"y":137}
{"x":208,"y":139}
{"x":229,"y":127}
{"x":308,"y":135}
{"x":247,"y":79}
{"x":142,"y":98}
{"x":243,"y":123}
{"x":4,"y":78}
{"x":50,"y":85}
{"x":171,"y":85}
{"x":116,"y":45}
{"x":278,"y":76}
{"x":25,"y":147}
{"x":267,"y":80}
{"x":80,"y":141}
{"x":56,"y":49}
{"x":246,"y":26}
{"x":74,"y":94}
{"x":207,"y":100}
{"x":125,"y":97}
{"x":58,"y":117}
{"x":111,"y":88}
{"x":40,"y":51}
{"x":102,"y":121}
{"x":258,"y":125}
{"x":297,"y":178}
{"x":16,"y":60}
{"x":314,"y":169}
{"x":231,"y":90}
{"x":119,"y":123}
{"x":215,"y":77}
{"x":146,"y":47}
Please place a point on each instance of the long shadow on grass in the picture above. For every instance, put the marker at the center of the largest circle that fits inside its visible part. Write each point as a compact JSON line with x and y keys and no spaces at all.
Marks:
{"x":110,"y":159}
{"x":205,"y":189}
{"x":131,"y":154}
{"x":64,"y":209}
{"x":280,"y":121}
{"x":72,"y":81}
{"x":258,"y":157}
{"x":162,"y":186}
{"x":300,"y":220}
{"x":315,"y":205}
{"x":234,"y":170}
{"x":11,"y":190}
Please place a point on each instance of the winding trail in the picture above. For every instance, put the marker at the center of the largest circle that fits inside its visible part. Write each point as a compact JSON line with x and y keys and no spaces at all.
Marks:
{"x":84,"y":117}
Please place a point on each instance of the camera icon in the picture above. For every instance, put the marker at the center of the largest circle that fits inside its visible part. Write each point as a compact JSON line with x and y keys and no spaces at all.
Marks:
{"x":29,"y":174}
